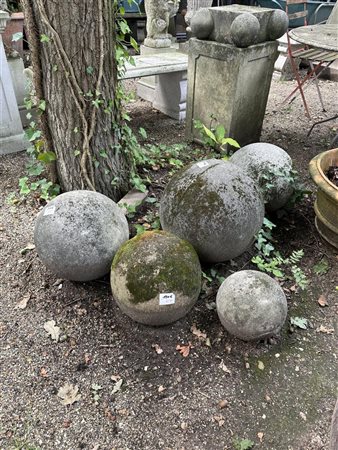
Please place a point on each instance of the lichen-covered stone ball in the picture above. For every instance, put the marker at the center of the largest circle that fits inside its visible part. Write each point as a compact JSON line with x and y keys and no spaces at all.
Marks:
{"x":78,"y":233}
{"x":215,"y":206}
{"x":244,"y":30}
{"x":271,"y":167}
{"x":251,"y":305}
{"x":156,"y":278}
{"x":278,"y":24}
{"x":202,"y":23}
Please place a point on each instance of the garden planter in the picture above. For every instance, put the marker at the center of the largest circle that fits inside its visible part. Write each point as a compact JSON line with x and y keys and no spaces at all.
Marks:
{"x":15,"y":25}
{"x":326,"y":204}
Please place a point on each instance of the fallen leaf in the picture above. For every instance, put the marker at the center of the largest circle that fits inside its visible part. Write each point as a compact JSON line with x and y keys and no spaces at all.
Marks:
{"x":299,"y":322}
{"x":28,"y":247}
{"x":303,"y":416}
{"x":69,"y":394}
{"x":223,"y":404}
{"x":197,"y":332}
{"x":23,"y":303}
{"x":323,"y":329}
{"x":157,"y":349}
{"x":260,"y":436}
{"x":207,"y":342}
{"x":161,"y":388}
{"x":322,"y":301}
{"x":219,"y":419}
{"x":261,"y":365}
{"x":117,"y":386}
{"x":87,"y":359}
{"x":115,"y":378}
{"x":184,"y":425}
{"x":224,"y":367}
{"x":184,"y":349}
{"x":43,"y":372}
{"x":67,"y":423}
{"x":52,"y":330}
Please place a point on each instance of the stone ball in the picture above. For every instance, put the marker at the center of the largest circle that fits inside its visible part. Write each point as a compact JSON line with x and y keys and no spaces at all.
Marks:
{"x":156,"y":278}
{"x":78,"y":233}
{"x":244,"y":30}
{"x":270,"y":166}
{"x":201,"y":24}
{"x":215,"y":206}
{"x":277,"y":25}
{"x":251,"y":305}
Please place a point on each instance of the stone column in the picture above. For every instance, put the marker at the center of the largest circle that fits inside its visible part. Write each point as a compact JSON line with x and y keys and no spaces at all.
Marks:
{"x":11,"y":133}
{"x":231,"y":61}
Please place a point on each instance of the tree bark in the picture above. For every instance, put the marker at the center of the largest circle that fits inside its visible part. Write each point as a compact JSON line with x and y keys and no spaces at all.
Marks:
{"x":72,"y":46}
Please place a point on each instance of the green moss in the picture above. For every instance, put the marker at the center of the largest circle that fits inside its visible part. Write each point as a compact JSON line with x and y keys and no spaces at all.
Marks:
{"x":173,"y":268}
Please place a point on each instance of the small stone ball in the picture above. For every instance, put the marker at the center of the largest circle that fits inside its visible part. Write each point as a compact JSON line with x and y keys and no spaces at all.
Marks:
{"x":201,"y":24}
{"x":156,"y":278}
{"x":278,"y":24}
{"x":244,"y":30}
{"x":78,"y":233}
{"x":251,"y":305}
{"x":270,"y":166}
{"x":215,"y":206}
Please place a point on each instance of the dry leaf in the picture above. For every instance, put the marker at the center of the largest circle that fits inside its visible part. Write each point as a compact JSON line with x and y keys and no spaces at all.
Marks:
{"x":67,"y":423}
{"x":224,"y":367}
{"x":87,"y":359}
{"x":161,"y":388}
{"x":69,"y":394}
{"x":219,"y":419}
{"x":303,"y":416}
{"x":223,"y":404}
{"x":52,"y":330}
{"x":323,"y":329}
{"x":322,"y":301}
{"x":261,"y":365}
{"x":184,"y":425}
{"x":115,"y":378}
{"x":117,"y":386}
{"x":184,"y":349}
{"x":207,"y":342}
{"x":260,"y":436}
{"x":197,"y":332}
{"x":43,"y":372}
{"x":157,"y":349}
{"x":23,"y":303}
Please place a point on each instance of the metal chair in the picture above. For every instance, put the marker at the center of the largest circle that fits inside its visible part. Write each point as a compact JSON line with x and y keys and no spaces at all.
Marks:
{"x":319,"y":59}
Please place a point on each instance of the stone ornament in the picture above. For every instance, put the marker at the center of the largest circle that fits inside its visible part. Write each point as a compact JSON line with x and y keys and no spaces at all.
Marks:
{"x":239,"y":25}
{"x":271,"y":167}
{"x":78,"y":233}
{"x":215,"y":206}
{"x":156,"y":278}
{"x":251,"y":305}
{"x":158,"y":14}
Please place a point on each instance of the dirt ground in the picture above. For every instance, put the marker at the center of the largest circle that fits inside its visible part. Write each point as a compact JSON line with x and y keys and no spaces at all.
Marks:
{"x":281,"y":397}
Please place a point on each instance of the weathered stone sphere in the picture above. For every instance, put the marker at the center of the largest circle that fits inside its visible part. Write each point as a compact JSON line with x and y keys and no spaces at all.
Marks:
{"x":268,"y":165}
{"x":244,"y":30}
{"x":278,"y":24}
{"x":156,"y":278}
{"x":215,"y":206}
{"x":78,"y":233}
{"x":251,"y":305}
{"x":202,"y":23}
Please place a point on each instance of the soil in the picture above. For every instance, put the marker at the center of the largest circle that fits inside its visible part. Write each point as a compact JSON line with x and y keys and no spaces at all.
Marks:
{"x":332,"y":175}
{"x":280,"y":396}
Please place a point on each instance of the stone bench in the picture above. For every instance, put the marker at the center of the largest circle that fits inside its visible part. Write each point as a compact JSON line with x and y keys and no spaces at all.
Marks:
{"x":169,"y":93}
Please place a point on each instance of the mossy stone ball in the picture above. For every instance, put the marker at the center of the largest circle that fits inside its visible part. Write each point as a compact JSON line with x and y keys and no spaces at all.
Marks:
{"x":251,"y":305}
{"x":78,"y":233}
{"x":271,"y":167}
{"x":156,"y":278}
{"x":215,"y":206}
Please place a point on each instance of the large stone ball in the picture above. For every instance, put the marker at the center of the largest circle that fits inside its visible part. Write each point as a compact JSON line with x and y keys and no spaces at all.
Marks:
{"x":271,"y":167}
{"x":278,"y":24}
{"x":215,"y":206}
{"x":156,"y":278}
{"x":78,"y":233}
{"x":244,"y":30}
{"x":251,"y":305}
{"x":202,"y":23}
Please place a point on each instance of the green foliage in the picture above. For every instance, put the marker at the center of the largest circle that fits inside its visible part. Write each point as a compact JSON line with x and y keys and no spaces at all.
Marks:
{"x":215,"y":137}
{"x":243,"y":444}
{"x":322,"y":267}
{"x":270,"y":261}
{"x":299,"y":322}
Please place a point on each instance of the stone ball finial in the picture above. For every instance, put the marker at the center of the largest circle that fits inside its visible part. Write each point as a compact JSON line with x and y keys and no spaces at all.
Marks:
{"x":251,"y":305}
{"x":278,"y":24}
{"x":78,"y":233}
{"x":244,"y":30}
{"x":201,"y":24}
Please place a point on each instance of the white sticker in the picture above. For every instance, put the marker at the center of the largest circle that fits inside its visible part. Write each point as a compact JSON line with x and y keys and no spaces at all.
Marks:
{"x":203,"y":164}
{"x":167,"y":299}
{"x":49,"y":210}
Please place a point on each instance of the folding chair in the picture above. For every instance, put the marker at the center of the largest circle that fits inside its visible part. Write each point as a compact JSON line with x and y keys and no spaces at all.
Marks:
{"x":319,"y":59}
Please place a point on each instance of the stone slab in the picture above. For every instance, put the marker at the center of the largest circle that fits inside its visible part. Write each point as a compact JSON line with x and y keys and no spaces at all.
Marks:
{"x":133,"y":198}
{"x":156,"y":65}
{"x":231,"y":84}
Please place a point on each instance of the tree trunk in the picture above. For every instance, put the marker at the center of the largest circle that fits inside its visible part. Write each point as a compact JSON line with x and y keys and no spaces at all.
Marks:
{"x":72,"y":47}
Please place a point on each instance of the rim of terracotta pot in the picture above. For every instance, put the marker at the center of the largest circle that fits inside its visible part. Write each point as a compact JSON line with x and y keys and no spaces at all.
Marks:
{"x":317,"y":167}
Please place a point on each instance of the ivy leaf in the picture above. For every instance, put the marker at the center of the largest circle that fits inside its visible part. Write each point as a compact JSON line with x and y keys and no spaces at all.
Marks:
{"x":299,"y":322}
{"x":90,"y":70}
{"x":42,"y":105}
{"x":47,"y":157}
{"x":44,"y":38}
{"x":17,"y":36}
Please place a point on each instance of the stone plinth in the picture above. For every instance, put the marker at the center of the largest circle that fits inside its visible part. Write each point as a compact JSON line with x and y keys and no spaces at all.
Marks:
{"x":11,"y":132}
{"x":231,"y":84}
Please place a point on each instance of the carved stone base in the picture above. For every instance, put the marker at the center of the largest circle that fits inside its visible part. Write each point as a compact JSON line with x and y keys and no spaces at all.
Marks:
{"x":158,"y":43}
{"x":171,"y":94}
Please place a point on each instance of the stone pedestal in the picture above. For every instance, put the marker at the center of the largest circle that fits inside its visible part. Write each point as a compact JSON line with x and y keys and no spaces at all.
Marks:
{"x":231,"y":84}
{"x":11,"y":132}
{"x":171,"y":94}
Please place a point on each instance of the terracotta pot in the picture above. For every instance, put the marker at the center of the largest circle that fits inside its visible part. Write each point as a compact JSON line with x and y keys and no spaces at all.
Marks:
{"x":15,"y":25}
{"x":326,"y":205}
